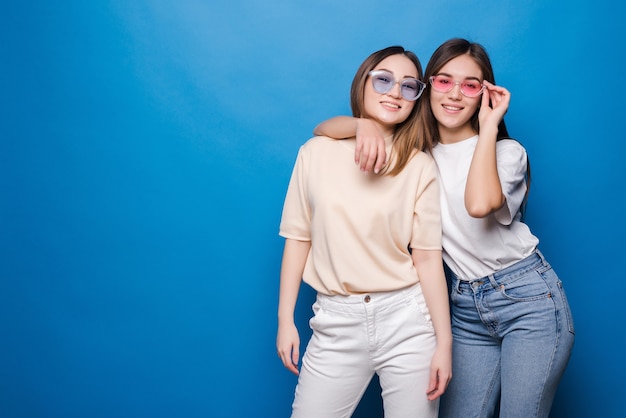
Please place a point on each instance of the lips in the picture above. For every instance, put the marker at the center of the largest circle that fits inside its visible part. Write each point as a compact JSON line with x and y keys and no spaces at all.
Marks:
{"x":389,"y":104}
{"x":452,"y":108}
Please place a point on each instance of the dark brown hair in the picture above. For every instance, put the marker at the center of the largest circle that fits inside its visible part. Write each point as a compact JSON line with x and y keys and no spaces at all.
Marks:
{"x":446,"y":52}
{"x":442,"y":55}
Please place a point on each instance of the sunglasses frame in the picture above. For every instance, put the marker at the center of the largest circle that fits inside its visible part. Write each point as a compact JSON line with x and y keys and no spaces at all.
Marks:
{"x":453,"y":84}
{"x":420,"y":84}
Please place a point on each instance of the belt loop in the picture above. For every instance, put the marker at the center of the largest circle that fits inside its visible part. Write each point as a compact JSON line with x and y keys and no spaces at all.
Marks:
{"x":455,"y":284}
{"x":543,"y":260}
{"x":493,"y":282}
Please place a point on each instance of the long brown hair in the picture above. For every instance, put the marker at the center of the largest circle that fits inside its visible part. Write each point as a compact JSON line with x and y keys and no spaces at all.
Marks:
{"x":446,"y":52}
{"x":406,"y":135}
{"x":442,"y":55}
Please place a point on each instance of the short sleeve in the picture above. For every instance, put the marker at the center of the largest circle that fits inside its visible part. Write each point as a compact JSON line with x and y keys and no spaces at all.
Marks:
{"x":427,"y":216}
{"x":296,"y":217}
{"x":512,"y":165}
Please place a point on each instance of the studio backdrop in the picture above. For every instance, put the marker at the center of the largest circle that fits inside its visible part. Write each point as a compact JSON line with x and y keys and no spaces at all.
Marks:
{"x":145,"y":151}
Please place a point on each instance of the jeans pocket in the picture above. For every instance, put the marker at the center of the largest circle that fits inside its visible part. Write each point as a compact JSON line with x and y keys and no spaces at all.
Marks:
{"x":528,"y":287}
{"x":566,"y":308}
{"x":422,"y":308}
{"x":315,"y":321}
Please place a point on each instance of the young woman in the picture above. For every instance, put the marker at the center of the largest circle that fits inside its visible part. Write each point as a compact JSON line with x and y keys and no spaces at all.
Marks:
{"x":380,"y":308}
{"x":511,"y":323}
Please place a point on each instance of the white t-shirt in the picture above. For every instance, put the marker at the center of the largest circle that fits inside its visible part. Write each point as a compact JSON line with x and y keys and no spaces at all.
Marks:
{"x":477,"y":247}
{"x":360,"y":225}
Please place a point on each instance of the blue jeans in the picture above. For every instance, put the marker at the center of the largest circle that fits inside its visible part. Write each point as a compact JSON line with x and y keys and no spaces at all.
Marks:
{"x":513,"y":335}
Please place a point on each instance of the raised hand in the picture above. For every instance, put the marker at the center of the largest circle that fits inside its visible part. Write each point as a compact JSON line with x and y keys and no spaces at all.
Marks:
{"x":495,"y":103}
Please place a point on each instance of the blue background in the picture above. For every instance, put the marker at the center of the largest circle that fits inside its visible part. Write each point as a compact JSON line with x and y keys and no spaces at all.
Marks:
{"x":145,"y":149}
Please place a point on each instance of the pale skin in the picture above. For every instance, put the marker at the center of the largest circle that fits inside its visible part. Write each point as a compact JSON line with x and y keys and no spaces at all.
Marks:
{"x":483,"y":192}
{"x":429,"y":267}
{"x":288,"y":339}
{"x":385,"y":111}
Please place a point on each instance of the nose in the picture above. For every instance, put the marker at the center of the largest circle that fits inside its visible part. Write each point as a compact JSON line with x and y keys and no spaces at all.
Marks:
{"x":455,"y":93}
{"x":396,"y":90}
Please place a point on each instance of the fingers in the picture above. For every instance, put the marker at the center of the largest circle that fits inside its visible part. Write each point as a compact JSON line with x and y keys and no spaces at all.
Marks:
{"x":295,"y":356}
{"x":494,"y":105}
{"x":358,"y":151}
{"x":290,"y":358}
{"x":292,"y":368}
{"x":485,"y":99}
{"x":382,"y":157}
{"x":372,"y":158}
{"x":432,"y":386}
{"x":438,"y":383}
{"x":370,"y":154}
{"x":435,"y":389}
{"x":496,"y":94}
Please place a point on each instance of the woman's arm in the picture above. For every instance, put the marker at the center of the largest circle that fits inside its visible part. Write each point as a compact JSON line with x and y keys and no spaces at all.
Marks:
{"x":287,"y":339}
{"x":429,"y":267}
{"x":483,"y":191}
{"x":370,"y":143}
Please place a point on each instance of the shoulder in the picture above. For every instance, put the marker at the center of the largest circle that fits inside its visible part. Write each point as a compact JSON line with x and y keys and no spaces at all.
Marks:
{"x":510,"y":145}
{"x":314,"y":145}
{"x":321,"y":142}
{"x":510,"y":149}
{"x":316,"y":141}
{"x":423,"y":158}
{"x":511,"y":156}
{"x":424,"y":162}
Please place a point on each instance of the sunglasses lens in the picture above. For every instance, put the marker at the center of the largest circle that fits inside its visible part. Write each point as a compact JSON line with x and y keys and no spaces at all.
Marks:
{"x":411,"y":89}
{"x":442,"y":83}
{"x":382,"y":82}
{"x":471,"y":88}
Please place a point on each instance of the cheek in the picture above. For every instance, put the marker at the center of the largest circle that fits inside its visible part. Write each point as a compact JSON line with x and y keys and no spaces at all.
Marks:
{"x":408,"y":107}
{"x":473,"y":104}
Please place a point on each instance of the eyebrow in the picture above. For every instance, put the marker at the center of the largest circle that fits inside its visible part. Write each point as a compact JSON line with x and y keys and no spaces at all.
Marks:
{"x":466,"y":78}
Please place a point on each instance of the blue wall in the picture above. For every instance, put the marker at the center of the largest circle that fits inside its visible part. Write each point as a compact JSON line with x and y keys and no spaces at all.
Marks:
{"x":145,"y":149}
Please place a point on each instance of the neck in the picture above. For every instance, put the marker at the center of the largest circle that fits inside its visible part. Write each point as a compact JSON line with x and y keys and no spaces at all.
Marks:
{"x":386,"y":130}
{"x":454,"y":135}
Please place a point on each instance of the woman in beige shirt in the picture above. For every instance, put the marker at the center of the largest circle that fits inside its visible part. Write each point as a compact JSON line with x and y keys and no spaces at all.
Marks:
{"x":370,"y":245}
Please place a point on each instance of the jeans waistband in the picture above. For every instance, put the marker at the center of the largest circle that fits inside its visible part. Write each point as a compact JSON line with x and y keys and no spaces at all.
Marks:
{"x":520,"y":267}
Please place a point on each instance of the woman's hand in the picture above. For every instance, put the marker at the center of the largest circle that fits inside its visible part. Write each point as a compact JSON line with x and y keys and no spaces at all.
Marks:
{"x":440,"y":372}
{"x":495,"y":103}
{"x":288,"y":345}
{"x":370,"y":152}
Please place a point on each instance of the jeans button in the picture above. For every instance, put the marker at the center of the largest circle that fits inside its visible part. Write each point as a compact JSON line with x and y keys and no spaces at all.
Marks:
{"x":367,"y":299}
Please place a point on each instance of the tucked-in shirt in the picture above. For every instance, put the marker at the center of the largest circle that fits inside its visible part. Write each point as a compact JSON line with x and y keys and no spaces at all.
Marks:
{"x":477,"y":247}
{"x":360,"y":225}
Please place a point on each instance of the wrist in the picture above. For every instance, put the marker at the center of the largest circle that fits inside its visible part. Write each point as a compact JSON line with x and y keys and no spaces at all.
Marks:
{"x":285,"y":318}
{"x":488,"y":131}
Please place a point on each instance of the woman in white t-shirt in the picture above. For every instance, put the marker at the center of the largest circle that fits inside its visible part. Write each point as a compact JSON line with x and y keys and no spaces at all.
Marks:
{"x":370,"y":245}
{"x":511,"y":323}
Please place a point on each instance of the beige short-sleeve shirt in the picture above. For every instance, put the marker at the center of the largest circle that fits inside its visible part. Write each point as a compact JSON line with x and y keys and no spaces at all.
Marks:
{"x":360,"y":225}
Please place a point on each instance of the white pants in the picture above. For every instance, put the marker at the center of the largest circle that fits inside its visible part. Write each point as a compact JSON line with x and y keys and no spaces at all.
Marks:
{"x":388,"y":333}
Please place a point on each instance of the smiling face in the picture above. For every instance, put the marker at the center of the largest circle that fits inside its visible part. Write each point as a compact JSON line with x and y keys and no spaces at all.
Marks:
{"x":389,"y":109}
{"x":452,"y":110}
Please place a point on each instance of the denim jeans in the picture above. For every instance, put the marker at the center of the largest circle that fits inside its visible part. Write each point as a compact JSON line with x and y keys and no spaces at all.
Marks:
{"x":388,"y":333}
{"x":512,"y":338}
